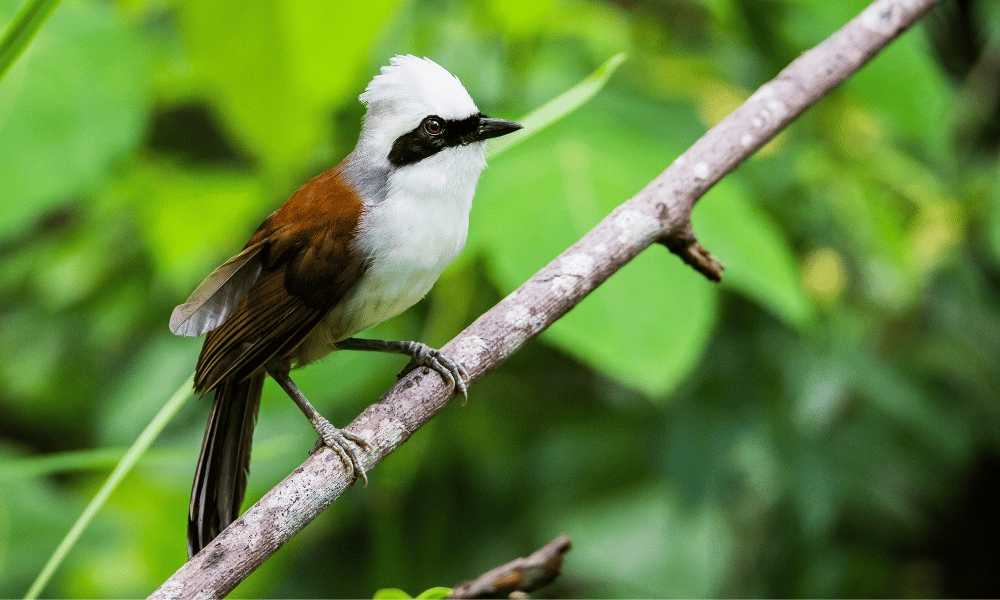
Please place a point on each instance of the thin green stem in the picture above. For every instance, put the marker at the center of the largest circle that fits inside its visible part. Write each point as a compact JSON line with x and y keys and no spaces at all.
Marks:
{"x":98,"y":459}
{"x":29,"y":467}
{"x":21,"y":29}
{"x":124,"y":466}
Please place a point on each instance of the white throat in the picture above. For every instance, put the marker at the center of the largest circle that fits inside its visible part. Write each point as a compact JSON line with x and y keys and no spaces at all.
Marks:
{"x":446,"y":179}
{"x":421,"y":223}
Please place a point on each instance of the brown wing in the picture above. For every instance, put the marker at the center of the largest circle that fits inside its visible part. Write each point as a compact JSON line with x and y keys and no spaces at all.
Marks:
{"x":309,"y":261}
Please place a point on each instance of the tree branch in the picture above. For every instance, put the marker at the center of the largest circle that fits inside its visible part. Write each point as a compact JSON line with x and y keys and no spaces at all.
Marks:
{"x":525,"y":574}
{"x":658,"y":213}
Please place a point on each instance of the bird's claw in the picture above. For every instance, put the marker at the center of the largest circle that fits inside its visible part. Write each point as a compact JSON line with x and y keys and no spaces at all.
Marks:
{"x":453,"y":373}
{"x":344,"y":443}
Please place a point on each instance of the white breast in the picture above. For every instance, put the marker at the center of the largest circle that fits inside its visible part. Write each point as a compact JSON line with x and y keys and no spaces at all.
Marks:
{"x":410,"y":236}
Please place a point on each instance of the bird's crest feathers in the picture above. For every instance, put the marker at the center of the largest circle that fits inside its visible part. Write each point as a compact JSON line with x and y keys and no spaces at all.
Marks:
{"x":417,"y":86}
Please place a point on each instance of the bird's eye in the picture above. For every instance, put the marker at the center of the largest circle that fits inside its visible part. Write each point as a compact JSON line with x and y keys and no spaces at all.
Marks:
{"x":433,"y":126}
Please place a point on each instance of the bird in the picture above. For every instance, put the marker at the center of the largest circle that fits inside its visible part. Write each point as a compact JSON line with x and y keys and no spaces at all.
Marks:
{"x":357,"y":244}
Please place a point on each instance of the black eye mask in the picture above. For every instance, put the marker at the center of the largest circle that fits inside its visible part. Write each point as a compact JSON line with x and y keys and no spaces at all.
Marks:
{"x":418,"y":144}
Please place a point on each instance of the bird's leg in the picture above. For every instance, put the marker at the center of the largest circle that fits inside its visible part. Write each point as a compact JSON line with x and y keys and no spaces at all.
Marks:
{"x":421,"y":355}
{"x":338,"y":440}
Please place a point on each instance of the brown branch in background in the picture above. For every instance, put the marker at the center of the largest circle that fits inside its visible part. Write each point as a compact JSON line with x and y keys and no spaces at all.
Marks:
{"x":658,"y":213}
{"x":525,"y":574}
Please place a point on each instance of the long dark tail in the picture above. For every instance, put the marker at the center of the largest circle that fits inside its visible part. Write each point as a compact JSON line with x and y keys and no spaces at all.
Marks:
{"x":220,"y":479}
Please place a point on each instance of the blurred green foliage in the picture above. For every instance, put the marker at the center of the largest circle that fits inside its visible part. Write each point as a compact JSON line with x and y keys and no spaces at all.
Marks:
{"x":434,"y":593}
{"x":823,"y":423}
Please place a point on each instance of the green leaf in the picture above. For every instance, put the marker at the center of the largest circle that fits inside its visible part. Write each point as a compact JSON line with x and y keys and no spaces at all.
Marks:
{"x":391,"y":594}
{"x":552,"y":111}
{"x":435,"y":593}
{"x":635,"y":519}
{"x":697,"y":567}
{"x":275,"y":69}
{"x":675,"y":550}
{"x":902,"y":85}
{"x":646,"y":326}
{"x":909,"y":93}
{"x":22,"y":29}
{"x":75,"y":102}
{"x":759,"y":262}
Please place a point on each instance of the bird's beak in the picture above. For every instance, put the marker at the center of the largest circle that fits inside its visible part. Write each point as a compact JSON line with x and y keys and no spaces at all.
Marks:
{"x":491,"y":128}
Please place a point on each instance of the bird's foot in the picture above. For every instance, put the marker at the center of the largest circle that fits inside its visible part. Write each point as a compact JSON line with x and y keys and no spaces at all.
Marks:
{"x":345,"y":444}
{"x":453,"y":373}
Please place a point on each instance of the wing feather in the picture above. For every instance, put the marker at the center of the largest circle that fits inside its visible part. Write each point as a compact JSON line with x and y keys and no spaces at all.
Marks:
{"x":215,"y":298}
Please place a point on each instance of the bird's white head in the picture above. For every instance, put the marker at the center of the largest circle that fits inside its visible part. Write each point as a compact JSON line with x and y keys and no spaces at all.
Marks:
{"x":420,"y":114}
{"x":410,"y":88}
